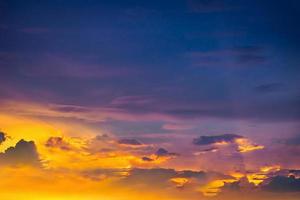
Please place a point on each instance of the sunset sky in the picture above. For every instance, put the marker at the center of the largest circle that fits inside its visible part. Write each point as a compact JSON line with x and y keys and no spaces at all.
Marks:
{"x":149,"y":100}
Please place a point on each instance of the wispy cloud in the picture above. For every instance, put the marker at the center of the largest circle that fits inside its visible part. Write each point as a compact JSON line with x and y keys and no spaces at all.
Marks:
{"x":53,"y":65}
{"x":244,"y":56}
{"x":243,"y":144}
{"x":209,"y":6}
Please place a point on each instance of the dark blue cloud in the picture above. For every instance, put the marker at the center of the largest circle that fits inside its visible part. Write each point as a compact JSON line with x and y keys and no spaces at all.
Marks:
{"x":147,"y":159}
{"x":291,"y":141}
{"x":2,"y":137}
{"x":283,"y":184}
{"x":161,"y":152}
{"x":207,"y":140}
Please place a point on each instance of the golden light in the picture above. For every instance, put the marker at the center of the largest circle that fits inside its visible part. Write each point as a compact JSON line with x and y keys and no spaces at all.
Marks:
{"x":213,"y":188}
{"x":270,"y":168}
{"x":179,"y":182}
{"x":256,"y":178}
{"x":245,"y":145}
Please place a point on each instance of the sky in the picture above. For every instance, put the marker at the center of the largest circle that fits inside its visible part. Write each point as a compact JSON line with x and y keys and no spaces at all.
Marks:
{"x":171,"y":100}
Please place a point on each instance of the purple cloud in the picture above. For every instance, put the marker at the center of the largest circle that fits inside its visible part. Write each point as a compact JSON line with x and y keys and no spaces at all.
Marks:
{"x":24,"y":152}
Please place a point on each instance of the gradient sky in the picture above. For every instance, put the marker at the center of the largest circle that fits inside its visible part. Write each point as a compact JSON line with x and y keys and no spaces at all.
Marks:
{"x":122,"y":95}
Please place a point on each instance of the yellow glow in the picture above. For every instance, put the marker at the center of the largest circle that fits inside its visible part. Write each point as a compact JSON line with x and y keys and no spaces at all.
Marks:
{"x":237,"y":175}
{"x":24,"y":128}
{"x":221,"y":143}
{"x":214,"y":187}
{"x":256,"y":178}
{"x":33,"y":184}
{"x":259,"y":177}
{"x":244,"y":145}
{"x":179,"y":182}
{"x":270,"y":168}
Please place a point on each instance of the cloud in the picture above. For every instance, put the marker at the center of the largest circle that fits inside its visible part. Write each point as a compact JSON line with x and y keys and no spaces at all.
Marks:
{"x":268,"y":88}
{"x":283,"y":184}
{"x":191,"y":174}
{"x":242,"y":183}
{"x":270,"y":179}
{"x":207,"y":140}
{"x":161,"y":152}
{"x":161,"y":155}
{"x":62,"y":66}
{"x":204,"y":151}
{"x":283,"y":109}
{"x":174,"y":113}
{"x":208,"y":6}
{"x":294,"y":172}
{"x":162,"y":177}
{"x":2,"y":137}
{"x":147,"y":159}
{"x":70,"y":108}
{"x":102,"y":137}
{"x":57,"y":142}
{"x":35,"y":30}
{"x":246,"y":145}
{"x":242,"y":144}
{"x":132,"y":142}
{"x":156,"y":177}
{"x":132,"y":100}
{"x":177,"y":127}
{"x":101,"y":174}
{"x":249,"y":54}
{"x":23,"y":153}
{"x":294,"y":141}
{"x":244,"y":56}
{"x":86,"y":113}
